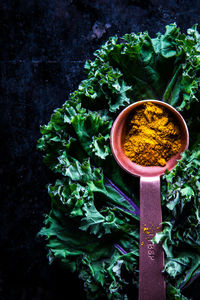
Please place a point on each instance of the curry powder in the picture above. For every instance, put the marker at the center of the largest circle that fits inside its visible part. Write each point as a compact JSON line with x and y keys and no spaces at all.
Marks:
{"x":153,"y":136}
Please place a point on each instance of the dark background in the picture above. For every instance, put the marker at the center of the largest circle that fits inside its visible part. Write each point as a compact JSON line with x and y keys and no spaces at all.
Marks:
{"x":44,"y":45}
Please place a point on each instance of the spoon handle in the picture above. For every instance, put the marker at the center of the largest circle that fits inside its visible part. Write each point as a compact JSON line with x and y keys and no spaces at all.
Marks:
{"x":151,"y":261}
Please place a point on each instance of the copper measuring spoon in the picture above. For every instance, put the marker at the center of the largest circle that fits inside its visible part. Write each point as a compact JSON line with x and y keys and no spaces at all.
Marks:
{"x":151,"y":259}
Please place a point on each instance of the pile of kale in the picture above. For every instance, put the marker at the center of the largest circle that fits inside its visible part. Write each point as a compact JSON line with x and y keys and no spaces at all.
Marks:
{"x":93,"y":226}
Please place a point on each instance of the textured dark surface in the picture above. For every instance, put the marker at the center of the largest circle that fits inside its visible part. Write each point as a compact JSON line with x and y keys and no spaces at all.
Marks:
{"x":44,"y":45}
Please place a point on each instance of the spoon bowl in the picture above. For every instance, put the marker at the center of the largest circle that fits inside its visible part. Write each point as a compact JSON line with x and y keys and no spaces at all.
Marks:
{"x":118,"y":133}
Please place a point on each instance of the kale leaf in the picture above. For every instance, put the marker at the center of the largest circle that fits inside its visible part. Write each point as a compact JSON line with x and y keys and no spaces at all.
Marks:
{"x":93,"y":225}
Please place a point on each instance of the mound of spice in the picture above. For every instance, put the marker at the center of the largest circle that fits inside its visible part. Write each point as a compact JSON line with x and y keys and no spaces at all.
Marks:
{"x":153,"y":136}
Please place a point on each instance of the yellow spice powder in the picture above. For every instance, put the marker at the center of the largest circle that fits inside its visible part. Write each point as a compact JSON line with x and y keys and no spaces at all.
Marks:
{"x":153,"y":136}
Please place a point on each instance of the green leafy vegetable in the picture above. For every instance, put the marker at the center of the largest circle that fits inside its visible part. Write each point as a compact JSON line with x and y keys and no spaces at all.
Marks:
{"x":93,"y":226}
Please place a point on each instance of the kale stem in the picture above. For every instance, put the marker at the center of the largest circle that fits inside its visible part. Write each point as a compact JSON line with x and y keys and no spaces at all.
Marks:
{"x":136,"y":208}
{"x":118,"y":247}
{"x":126,"y":210}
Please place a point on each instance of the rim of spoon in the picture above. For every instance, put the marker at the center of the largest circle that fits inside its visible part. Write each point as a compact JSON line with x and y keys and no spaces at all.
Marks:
{"x":118,"y":133}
